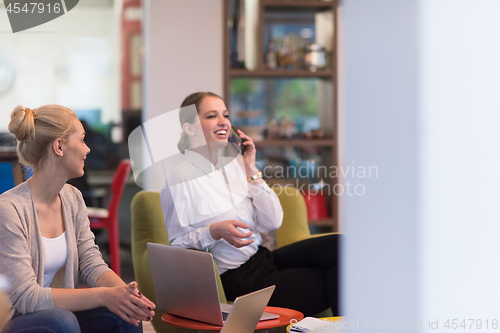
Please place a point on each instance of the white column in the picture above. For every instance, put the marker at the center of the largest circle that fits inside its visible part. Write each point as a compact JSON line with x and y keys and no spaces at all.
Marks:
{"x":182,"y":55}
{"x":379,"y":112}
{"x":420,"y":83}
{"x":459,"y":191}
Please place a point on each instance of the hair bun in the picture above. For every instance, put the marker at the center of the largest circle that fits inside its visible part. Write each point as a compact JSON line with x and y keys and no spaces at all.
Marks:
{"x":22,"y":122}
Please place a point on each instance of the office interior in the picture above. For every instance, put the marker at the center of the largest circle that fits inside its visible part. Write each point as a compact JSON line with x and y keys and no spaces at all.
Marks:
{"x":416,"y":97}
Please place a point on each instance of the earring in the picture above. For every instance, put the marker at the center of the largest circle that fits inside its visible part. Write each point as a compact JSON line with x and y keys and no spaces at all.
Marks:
{"x":192,"y":134}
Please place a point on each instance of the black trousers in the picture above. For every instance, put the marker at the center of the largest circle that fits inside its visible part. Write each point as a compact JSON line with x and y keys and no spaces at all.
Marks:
{"x":305,"y":274}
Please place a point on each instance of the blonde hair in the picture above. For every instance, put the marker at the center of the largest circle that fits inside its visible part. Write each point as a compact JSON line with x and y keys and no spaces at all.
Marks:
{"x":187,"y":116}
{"x":36,"y":129}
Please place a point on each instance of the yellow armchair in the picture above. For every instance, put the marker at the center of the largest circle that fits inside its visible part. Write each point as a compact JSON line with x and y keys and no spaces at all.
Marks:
{"x":148,"y":226}
{"x":295,"y":226}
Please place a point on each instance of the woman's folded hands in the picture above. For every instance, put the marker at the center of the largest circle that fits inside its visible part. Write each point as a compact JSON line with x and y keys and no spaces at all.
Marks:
{"x":128,"y":303}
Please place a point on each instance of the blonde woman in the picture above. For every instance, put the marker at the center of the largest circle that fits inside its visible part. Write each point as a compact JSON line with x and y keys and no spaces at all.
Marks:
{"x":46,"y":242}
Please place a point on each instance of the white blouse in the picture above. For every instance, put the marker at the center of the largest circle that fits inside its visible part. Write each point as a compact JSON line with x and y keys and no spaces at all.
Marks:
{"x":198,"y":194}
{"x":56,"y":252}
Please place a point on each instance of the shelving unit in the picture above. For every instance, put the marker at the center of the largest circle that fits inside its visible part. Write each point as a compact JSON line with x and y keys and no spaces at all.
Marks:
{"x":327,"y":146}
{"x":233,"y":73}
{"x":295,"y":143}
{"x":297,"y":3}
{"x":131,"y":69}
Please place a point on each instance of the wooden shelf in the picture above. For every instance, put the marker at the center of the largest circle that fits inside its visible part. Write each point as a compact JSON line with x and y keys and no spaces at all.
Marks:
{"x":295,"y":182}
{"x":278,"y":180}
{"x":267,"y":73}
{"x":288,"y":9}
{"x":297,"y":143}
{"x":297,"y":3}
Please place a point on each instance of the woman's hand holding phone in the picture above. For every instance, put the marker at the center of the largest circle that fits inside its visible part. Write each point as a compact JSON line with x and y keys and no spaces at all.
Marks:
{"x":249,"y":155}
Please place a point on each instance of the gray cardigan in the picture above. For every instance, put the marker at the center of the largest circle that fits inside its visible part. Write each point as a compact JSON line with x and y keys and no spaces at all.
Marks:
{"x":22,"y":258}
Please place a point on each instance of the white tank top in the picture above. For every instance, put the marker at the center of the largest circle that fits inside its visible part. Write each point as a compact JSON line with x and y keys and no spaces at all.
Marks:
{"x":56,"y":252}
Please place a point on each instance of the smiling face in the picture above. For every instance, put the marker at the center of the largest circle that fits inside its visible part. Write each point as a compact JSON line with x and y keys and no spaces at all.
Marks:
{"x":75,"y":151}
{"x":214,"y":120}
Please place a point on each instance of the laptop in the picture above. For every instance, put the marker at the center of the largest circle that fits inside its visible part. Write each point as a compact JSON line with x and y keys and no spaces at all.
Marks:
{"x":185,"y":285}
{"x":246,"y":311}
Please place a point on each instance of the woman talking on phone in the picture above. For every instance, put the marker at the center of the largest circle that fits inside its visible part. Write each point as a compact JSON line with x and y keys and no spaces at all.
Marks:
{"x":220,"y":204}
{"x":46,"y":242}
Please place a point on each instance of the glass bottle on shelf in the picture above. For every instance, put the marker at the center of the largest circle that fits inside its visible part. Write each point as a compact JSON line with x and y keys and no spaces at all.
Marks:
{"x":271,"y":57}
{"x":294,"y":162}
{"x":286,"y":59}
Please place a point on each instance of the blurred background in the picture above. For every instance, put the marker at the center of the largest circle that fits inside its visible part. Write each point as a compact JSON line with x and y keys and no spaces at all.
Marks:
{"x":407,"y":87}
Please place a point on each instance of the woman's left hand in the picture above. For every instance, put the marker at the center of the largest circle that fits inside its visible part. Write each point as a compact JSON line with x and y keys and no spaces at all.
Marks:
{"x":132,"y":288}
{"x":249,"y":154}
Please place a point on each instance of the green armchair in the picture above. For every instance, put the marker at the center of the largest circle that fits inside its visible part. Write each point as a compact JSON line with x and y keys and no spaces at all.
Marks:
{"x":148,"y":226}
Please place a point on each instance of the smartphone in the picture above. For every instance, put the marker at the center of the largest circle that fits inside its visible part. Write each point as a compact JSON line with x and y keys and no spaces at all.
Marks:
{"x":236,"y":141}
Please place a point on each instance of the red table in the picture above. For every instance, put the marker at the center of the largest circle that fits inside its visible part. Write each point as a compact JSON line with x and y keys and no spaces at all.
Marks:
{"x":286,"y":315}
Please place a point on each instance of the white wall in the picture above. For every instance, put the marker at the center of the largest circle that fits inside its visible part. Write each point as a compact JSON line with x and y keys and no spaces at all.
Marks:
{"x":459,"y":159}
{"x":379,"y":112}
{"x":419,"y":84}
{"x":420,"y":100}
{"x":183,"y":54}
{"x":73,"y":61}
